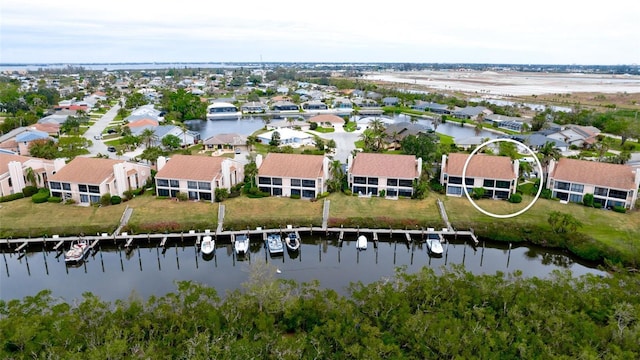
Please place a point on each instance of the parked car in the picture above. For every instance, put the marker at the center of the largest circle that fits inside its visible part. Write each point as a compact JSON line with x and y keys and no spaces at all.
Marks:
{"x":111,"y":149}
{"x":111,"y":131}
{"x":97,"y":137}
{"x":238,"y":151}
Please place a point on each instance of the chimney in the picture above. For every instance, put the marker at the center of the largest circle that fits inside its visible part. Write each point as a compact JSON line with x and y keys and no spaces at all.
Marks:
{"x":58,"y":164}
{"x":162,"y":161}
{"x":349,"y":162}
{"x":226,"y":173}
{"x":442,"y":166}
{"x":419,"y":165}
{"x":325,"y":168}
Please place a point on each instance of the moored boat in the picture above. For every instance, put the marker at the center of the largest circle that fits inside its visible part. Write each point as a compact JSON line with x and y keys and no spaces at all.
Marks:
{"x":241,"y":244}
{"x":78,"y":250}
{"x":293,"y":241}
{"x":274,"y":244}
{"x":434,"y":244}
{"x":208,"y":245}
{"x":361,"y":243}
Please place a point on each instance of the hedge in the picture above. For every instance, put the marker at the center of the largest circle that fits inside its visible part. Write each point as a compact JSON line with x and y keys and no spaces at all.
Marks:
{"x":11,"y":197}
{"x":41,"y":197}
{"x":28,"y":191}
{"x":54,"y":199}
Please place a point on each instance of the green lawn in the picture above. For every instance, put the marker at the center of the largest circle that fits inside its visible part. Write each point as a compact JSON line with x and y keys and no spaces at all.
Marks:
{"x":350,"y":126}
{"x":321,"y":129}
{"x":445,"y":139}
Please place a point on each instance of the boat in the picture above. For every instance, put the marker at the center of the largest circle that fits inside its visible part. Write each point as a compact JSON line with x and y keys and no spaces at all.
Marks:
{"x":223,"y":111}
{"x":434,"y":244}
{"x":241,"y":244}
{"x":208,"y":245}
{"x":76,"y":253}
{"x":293,"y":242}
{"x":274,"y":244}
{"x":361,"y":243}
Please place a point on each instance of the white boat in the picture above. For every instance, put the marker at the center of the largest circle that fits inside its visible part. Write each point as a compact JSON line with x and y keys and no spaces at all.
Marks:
{"x":78,"y":250}
{"x":274,"y":244}
{"x":208,"y":245}
{"x":434,"y":244}
{"x":361,"y":243}
{"x":241,"y":244}
{"x":293,"y":242}
{"x":223,"y":111}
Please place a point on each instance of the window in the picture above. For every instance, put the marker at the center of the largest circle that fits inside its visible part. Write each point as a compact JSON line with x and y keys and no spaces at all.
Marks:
{"x":174,"y":183}
{"x":577,"y":188}
{"x":265,"y":189}
{"x":372,"y":181}
{"x":82,"y":188}
{"x":193,"y":195}
{"x":84,"y":198}
{"x":392,"y":182}
{"x":192,"y":184}
{"x":264,"y":180}
{"x":501,"y":195}
{"x":454,"y":190}
{"x":66,"y":186}
{"x":163,"y":192}
{"x":359,"y":180}
{"x":205,"y":196}
{"x":276,"y":181}
{"x":372,"y":190}
{"x":488,"y":183}
{"x":455,"y":180}
{"x":202,"y":185}
{"x":360,"y":190}
{"x":277,"y":191}
{"x":309,"y":183}
{"x":406,"y":193}
{"x":502,"y":184}
{"x":174,"y":193}
{"x":601,"y":191}
{"x":295,"y":192}
{"x":561,"y":195}
{"x":162,"y":182}
{"x":562,"y":185}
{"x":56,"y":185}
{"x":575,"y":198}
{"x":56,"y":194}
{"x":295,"y":182}
{"x":469,"y":181}
{"x":94,"y":199}
{"x":392,"y":192}
{"x":308,"y":194}
{"x":406,"y":183}
{"x":617,"y":194}
{"x":94,"y":189}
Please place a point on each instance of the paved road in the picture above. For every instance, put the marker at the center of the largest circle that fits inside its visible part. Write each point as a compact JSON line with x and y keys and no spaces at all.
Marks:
{"x":344,"y":142}
{"x":97,"y":128}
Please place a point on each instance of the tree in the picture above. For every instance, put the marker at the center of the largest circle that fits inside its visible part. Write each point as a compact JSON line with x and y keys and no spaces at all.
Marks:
{"x":331,"y":145}
{"x":151,"y":154}
{"x":186,"y":105}
{"x":135,"y":100}
{"x":221,"y":194}
{"x":31,"y":176}
{"x":539,"y":121}
{"x":587,"y":200}
{"x":337,"y":175}
{"x":170,"y":142}
{"x":423,"y":146}
{"x":250,"y":171}
{"x":319,"y":142}
{"x":148,"y":137}
{"x":251,"y":141}
{"x":508,"y":149}
{"x":44,"y":148}
{"x":547,"y":153}
{"x":275,"y":139}
{"x":563,"y":222}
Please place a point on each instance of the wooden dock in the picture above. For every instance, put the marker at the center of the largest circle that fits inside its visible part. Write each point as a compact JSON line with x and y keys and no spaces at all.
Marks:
{"x":162,"y":239}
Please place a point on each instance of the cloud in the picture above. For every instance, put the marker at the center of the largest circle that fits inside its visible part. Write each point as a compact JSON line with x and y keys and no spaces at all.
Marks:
{"x":467,"y":31}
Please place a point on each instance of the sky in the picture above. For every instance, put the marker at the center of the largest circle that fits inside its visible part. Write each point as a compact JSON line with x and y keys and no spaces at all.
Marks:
{"x":462,"y":31}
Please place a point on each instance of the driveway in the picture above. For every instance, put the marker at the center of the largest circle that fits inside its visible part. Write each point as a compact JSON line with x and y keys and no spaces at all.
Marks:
{"x":344,"y":142}
{"x":97,"y":128}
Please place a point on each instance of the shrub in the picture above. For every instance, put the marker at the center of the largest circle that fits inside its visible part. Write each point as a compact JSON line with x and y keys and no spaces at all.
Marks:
{"x":12,"y":197}
{"x":54,"y":199}
{"x":597,"y":205}
{"x":221,"y":194}
{"x":138,"y":192}
{"x":620,"y":209}
{"x":313,"y":125}
{"x":41,"y":196}
{"x":587,"y":200}
{"x":70,"y":202}
{"x":28,"y":191}
{"x":348,"y":192}
{"x":115,"y":200}
{"x":182,"y":196}
{"x":478,"y":193}
{"x":436,"y":187}
{"x":545,"y":194}
{"x":128,"y":194}
{"x":295,"y":196}
{"x":382,"y":193}
{"x":515,"y":198}
{"x":323,"y":195}
{"x":105,"y":199}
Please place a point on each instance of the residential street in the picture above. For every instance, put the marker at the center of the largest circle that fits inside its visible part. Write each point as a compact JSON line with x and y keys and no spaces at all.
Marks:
{"x":97,"y":128}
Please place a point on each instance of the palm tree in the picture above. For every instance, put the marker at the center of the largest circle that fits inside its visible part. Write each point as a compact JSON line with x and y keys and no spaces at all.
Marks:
{"x":337,"y":174}
{"x":148,"y":137}
{"x":548,"y":152}
{"x":251,"y":140}
{"x":31,"y":176}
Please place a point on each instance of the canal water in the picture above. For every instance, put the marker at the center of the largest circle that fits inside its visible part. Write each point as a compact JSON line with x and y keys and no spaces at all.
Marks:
{"x":248,"y":125}
{"x":115,"y":273}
